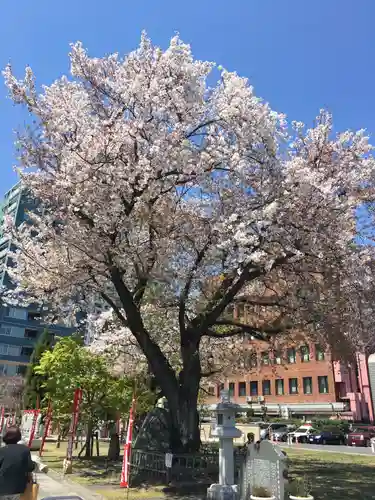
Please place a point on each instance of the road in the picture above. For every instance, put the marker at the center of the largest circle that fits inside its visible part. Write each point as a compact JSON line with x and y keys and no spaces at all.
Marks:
{"x":331,"y":448}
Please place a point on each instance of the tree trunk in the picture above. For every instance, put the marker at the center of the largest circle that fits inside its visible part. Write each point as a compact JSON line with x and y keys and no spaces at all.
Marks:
{"x":181,"y":392}
{"x":88,"y":452}
{"x":114,"y":447}
{"x":182,"y":404}
{"x":184,"y":429}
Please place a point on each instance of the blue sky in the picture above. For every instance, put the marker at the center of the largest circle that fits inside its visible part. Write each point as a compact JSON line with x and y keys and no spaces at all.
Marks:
{"x":299,"y":55}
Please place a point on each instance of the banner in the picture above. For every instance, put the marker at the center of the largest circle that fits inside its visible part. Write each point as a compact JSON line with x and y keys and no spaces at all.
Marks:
{"x":30,"y":425}
{"x":47,"y":423}
{"x":127,"y":449}
{"x":33,"y":427}
{"x":74,"y":423}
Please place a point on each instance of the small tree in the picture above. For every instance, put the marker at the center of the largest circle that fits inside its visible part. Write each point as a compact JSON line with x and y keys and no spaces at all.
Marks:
{"x":71,"y":365}
{"x":34,"y":391}
{"x":11,"y":390}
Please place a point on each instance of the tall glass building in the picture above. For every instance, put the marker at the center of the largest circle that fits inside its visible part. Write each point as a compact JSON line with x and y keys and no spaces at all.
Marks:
{"x":20,"y":327}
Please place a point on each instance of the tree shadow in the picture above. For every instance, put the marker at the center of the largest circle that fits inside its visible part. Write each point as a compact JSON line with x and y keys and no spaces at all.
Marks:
{"x":337,"y":481}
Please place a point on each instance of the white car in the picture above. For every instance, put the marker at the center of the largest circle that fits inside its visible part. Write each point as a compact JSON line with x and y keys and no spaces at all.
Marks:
{"x":280,"y":434}
{"x":301,"y":435}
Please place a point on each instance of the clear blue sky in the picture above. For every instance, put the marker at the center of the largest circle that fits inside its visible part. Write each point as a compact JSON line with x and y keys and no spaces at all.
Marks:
{"x":300,"y":55}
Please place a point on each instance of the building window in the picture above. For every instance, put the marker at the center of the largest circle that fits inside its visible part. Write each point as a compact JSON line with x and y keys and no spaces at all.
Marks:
{"x":26,"y":351}
{"x":3,"y":369}
{"x":6,"y":330}
{"x":307,"y":385}
{"x":220,"y":387}
{"x":9,"y":350}
{"x":31,"y":334}
{"x":21,"y":370}
{"x":34,"y":316}
{"x":305,"y":353}
{"x":242,"y":389}
{"x":265,"y":358}
{"x":279,"y":386}
{"x":291,"y":355}
{"x":293,"y":386}
{"x":3,"y":348}
{"x":231,"y":389}
{"x":11,"y":208}
{"x":266,"y":387}
{"x":323,"y":384}
{"x":254,"y":388}
{"x":16,"y":312}
{"x":278,"y":357}
{"x":319,"y":353}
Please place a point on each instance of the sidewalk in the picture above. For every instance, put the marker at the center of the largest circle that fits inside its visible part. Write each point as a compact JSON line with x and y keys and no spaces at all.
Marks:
{"x":52,"y":485}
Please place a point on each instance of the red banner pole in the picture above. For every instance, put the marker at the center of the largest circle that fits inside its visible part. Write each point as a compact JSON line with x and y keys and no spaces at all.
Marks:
{"x":2,"y":418}
{"x":127,"y":449}
{"x":32,"y":432}
{"x":46,"y":427}
{"x":74,"y":423}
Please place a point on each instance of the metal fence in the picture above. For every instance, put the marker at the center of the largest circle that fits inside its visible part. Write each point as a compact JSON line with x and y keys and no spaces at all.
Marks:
{"x":202,"y":467}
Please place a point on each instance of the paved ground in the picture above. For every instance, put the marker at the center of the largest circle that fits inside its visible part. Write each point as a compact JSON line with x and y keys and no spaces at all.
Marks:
{"x":332,"y":448}
{"x":49,"y":487}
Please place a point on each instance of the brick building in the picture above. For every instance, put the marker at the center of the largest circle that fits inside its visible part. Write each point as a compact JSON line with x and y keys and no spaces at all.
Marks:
{"x":300,"y":380}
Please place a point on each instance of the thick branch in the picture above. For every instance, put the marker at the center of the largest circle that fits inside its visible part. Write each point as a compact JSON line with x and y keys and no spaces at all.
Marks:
{"x":160,"y":366}
{"x":186,"y":290}
{"x":227,"y":292}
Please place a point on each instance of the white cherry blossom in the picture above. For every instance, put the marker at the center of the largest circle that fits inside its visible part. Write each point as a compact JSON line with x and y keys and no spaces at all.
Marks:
{"x":171,"y":199}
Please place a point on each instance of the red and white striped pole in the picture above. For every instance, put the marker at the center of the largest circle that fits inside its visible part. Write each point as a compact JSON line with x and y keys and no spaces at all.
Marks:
{"x":127,"y":449}
{"x":33,"y":427}
{"x":2,"y":419}
{"x":74,"y":423}
{"x":46,"y":427}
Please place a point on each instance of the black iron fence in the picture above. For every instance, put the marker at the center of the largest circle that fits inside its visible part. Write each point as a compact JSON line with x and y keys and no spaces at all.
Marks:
{"x":202,"y":467}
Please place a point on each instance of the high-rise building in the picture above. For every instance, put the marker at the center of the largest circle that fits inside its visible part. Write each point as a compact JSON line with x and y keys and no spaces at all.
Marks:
{"x":20,"y":327}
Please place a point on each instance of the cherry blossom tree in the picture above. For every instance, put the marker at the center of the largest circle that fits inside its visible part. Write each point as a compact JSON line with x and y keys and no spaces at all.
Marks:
{"x":150,"y":178}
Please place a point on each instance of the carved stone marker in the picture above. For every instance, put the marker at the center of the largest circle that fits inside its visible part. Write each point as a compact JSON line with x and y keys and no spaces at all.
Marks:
{"x":265,"y":466}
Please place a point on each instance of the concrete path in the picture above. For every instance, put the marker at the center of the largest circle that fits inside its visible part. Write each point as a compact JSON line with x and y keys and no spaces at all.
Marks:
{"x":349,"y":450}
{"x":51,"y":485}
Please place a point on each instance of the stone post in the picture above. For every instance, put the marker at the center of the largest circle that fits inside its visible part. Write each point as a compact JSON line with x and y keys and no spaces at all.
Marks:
{"x":225,"y":430}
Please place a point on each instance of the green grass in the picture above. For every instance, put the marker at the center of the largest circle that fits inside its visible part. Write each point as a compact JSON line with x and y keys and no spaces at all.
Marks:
{"x":334,"y":476}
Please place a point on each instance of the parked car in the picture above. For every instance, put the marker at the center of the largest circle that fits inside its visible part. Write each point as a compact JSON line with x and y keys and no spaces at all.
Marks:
{"x":302,"y":434}
{"x":361,"y":436}
{"x":328,"y":436}
{"x":268,"y":430}
{"x":281,"y":434}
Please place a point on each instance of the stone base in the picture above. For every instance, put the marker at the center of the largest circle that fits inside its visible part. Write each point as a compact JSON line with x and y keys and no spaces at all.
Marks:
{"x":222,"y":492}
{"x":67,"y":466}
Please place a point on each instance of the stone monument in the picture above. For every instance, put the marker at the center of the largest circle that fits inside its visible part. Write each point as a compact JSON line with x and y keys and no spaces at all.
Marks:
{"x":225,"y":430}
{"x":265,"y":466}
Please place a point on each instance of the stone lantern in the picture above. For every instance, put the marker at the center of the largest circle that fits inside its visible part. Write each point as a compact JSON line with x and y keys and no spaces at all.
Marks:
{"x":225,"y":430}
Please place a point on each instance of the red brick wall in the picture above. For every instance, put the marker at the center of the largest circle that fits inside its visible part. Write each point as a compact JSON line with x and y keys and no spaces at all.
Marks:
{"x":285,"y":371}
